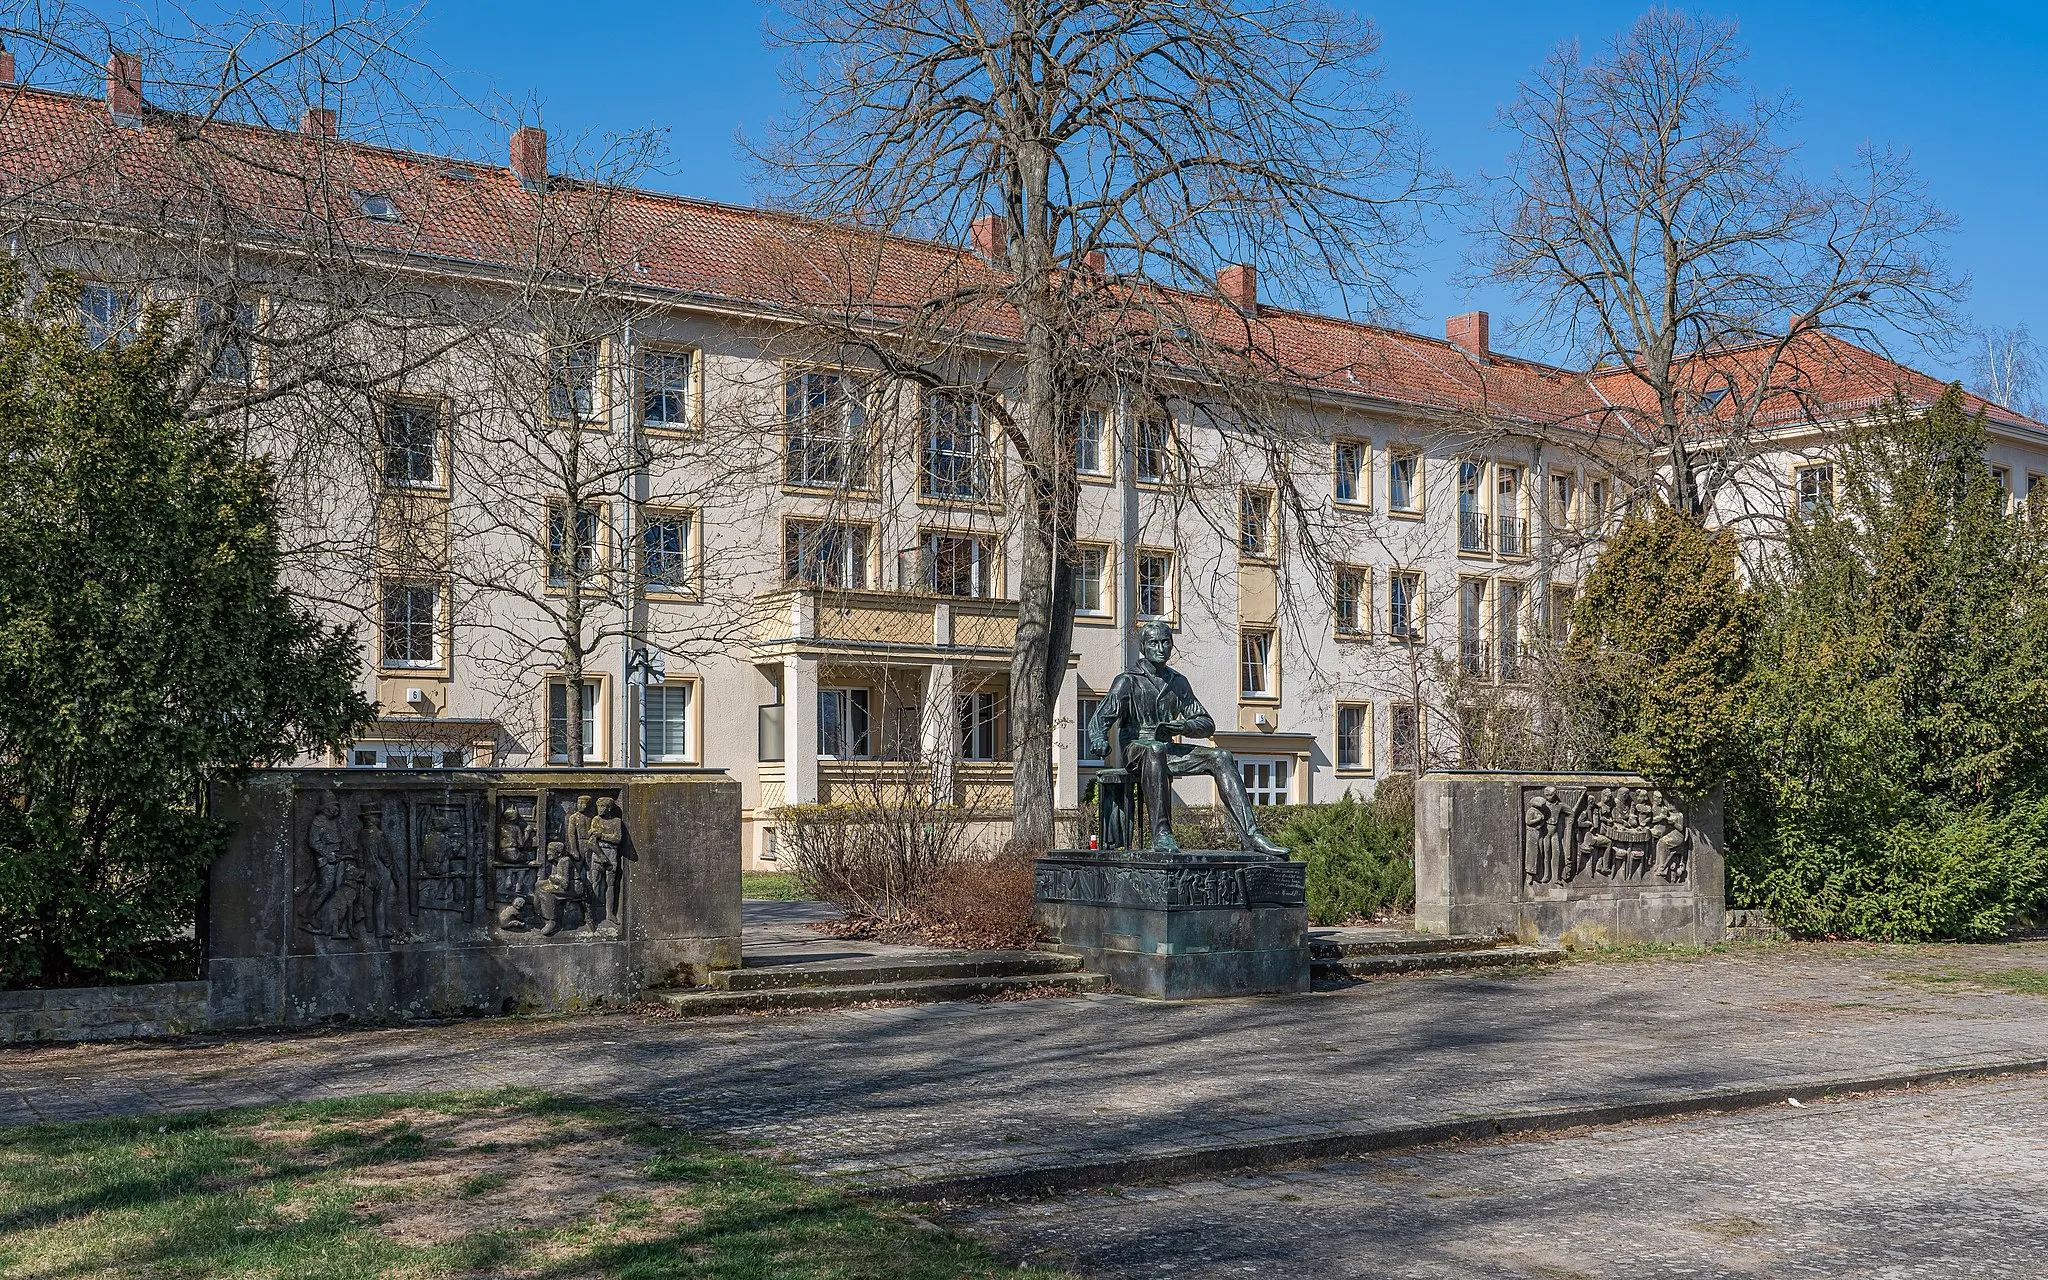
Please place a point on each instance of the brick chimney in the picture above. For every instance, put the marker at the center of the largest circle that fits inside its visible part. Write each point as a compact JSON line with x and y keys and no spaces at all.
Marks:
{"x":530,"y":156}
{"x":124,"y":85}
{"x":1095,"y":262}
{"x":1239,"y":285}
{"x":1468,"y":331}
{"x":317,"y":122}
{"x":6,"y":65}
{"x":991,"y":241}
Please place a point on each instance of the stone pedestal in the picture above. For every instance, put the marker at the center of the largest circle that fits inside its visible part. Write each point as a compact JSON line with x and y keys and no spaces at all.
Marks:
{"x":1585,"y":859}
{"x":1179,"y":926}
{"x":380,"y":895}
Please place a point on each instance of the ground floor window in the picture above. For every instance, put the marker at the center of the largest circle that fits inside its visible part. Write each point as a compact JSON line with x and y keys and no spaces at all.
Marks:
{"x":1267,"y":780}
{"x":1404,"y":735}
{"x":843,"y":724}
{"x":665,"y":720}
{"x":559,"y":719}
{"x":980,"y":726}
{"x":405,"y":755}
{"x":1354,"y":737}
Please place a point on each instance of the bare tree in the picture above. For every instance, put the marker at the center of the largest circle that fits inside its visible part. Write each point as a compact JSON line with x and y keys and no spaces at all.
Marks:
{"x":2006,"y":368}
{"x":1659,"y":225}
{"x":1163,"y":141}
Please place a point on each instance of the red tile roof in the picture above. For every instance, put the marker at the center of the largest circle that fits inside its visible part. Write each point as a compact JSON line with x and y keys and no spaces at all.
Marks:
{"x":66,"y":154}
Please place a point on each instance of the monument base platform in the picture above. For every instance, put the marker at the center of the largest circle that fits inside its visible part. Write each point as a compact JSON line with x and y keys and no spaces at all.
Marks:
{"x":1189,"y":925}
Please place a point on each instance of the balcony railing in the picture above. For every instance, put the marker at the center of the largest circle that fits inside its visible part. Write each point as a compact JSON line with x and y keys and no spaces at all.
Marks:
{"x":1472,"y":656}
{"x":1513,"y":534}
{"x":893,"y":619}
{"x":1471,"y":531}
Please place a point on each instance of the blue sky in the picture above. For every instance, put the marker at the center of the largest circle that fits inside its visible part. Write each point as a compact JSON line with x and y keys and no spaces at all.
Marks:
{"x":1957,"y":83}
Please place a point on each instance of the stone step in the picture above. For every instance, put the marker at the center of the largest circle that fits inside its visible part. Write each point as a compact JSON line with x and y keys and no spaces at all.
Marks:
{"x":873,"y":969}
{"x":1393,"y":943}
{"x":701,"y":1002}
{"x":1375,"y":966}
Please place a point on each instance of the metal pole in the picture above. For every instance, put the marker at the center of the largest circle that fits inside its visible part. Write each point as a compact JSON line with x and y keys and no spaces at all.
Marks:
{"x":632,"y":728}
{"x":1127,"y":495}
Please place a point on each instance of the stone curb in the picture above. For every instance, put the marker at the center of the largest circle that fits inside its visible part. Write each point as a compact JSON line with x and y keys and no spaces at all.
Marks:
{"x":1092,"y":1174}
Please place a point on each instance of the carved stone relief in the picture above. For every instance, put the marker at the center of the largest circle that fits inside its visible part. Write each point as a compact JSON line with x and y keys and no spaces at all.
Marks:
{"x":563,"y":872}
{"x":1220,"y":884}
{"x":1610,"y":835}
{"x":371,"y":867}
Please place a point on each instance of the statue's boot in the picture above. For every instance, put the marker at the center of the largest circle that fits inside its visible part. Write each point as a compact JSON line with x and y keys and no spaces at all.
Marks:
{"x":1256,"y":843}
{"x":1163,"y":841}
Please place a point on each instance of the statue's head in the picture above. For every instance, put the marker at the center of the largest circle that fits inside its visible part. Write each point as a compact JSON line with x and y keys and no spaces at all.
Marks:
{"x":606,"y":807}
{"x":1550,"y":793}
{"x":327,"y":805}
{"x":583,"y":804}
{"x":1155,"y":641}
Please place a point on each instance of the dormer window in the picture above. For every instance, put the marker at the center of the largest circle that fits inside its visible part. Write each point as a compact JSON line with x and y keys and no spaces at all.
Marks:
{"x":377,"y":206}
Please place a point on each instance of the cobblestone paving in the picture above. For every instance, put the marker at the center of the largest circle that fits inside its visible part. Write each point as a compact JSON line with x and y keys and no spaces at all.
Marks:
{"x":897,"y":1096}
{"x":1949,"y":1181}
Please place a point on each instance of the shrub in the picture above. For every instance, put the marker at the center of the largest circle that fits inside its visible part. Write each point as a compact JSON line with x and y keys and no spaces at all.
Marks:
{"x":1360,"y":855}
{"x":977,"y":901}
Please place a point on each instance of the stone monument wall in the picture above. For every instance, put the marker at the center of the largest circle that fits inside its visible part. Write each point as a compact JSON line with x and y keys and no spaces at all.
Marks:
{"x":1586,"y":859}
{"x":381,"y":895}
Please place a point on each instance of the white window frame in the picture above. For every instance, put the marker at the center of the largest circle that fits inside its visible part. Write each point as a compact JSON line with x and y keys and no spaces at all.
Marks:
{"x":847,"y":555}
{"x":664,"y":394}
{"x":1164,"y":586}
{"x":851,"y":710}
{"x":684,"y":554}
{"x":657,"y":750}
{"x":1091,"y":456}
{"x":1256,"y":674}
{"x":591,"y":719}
{"x":1356,"y":476}
{"x":413,"y":590}
{"x":1102,"y":607}
{"x":1358,"y":716}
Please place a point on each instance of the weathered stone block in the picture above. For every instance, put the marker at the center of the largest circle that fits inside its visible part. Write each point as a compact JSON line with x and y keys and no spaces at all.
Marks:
{"x":1179,"y":926}
{"x":385,"y":895}
{"x":1591,"y":859}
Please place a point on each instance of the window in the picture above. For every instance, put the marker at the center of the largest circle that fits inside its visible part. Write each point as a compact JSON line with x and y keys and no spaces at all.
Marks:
{"x":107,"y":314}
{"x":411,"y":624}
{"x":573,"y":544}
{"x":825,"y":554}
{"x":665,"y":388}
{"x":843,"y":724}
{"x":558,"y":719}
{"x":1353,"y":589}
{"x":1084,"y":713}
{"x":377,"y":206}
{"x":1354,"y":737}
{"x":412,"y":442}
{"x":2037,"y":495}
{"x":824,"y":432}
{"x":1404,"y":735}
{"x":1091,"y":577}
{"x":955,"y":459}
{"x":906,"y":733}
{"x":1155,"y":585}
{"x":1816,"y":488}
{"x":1597,"y":502}
{"x":1402,"y":493}
{"x":2002,"y":477}
{"x":1510,"y":616}
{"x":665,"y":553}
{"x":572,"y":380}
{"x":665,"y":721}
{"x":1089,"y":459}
{"x":1352,"y":462}
{"x":1563,"y":489}
{"x":1155,"y":450}
{"x":1561,"y":601}
{"x":1255,"y":664}
{"x":1472,"y":627}
{"x":1404,"y":606}
{"x":233,"y":358}
{"x":952,"y":564}
{"x":404,"y":755}
{"x":1255,"y":522}
{"x":980,"y":727}
{"x":1471,"y":507}
{"x":1507,"y":510}
{"x":1267,"y":780}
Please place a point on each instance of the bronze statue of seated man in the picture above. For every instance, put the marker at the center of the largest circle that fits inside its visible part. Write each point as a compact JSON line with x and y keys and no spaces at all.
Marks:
{"x":1147,"y":709}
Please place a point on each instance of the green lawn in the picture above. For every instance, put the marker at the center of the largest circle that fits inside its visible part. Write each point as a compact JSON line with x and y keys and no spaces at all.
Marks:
{"x":2020,"y":982}
{"x":450,"y":1184}
{"x":769,"y":884}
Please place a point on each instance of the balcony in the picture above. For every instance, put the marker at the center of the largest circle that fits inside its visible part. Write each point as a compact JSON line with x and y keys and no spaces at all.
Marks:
{"x":1471,"y":530}
{"x":834,"y":618}
{"x":1472,"y":657}
{"x":1513,"y":535}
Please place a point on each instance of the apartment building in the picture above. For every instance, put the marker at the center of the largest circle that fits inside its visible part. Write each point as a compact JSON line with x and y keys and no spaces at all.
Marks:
{"x":767,"y":581}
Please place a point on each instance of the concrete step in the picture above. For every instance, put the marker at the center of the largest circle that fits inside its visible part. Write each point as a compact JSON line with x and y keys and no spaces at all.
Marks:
{"x":869,"y":970}
{"x":699,"y":1002}
{"x":1341,"y":945}
{"x":1352,"y":968}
